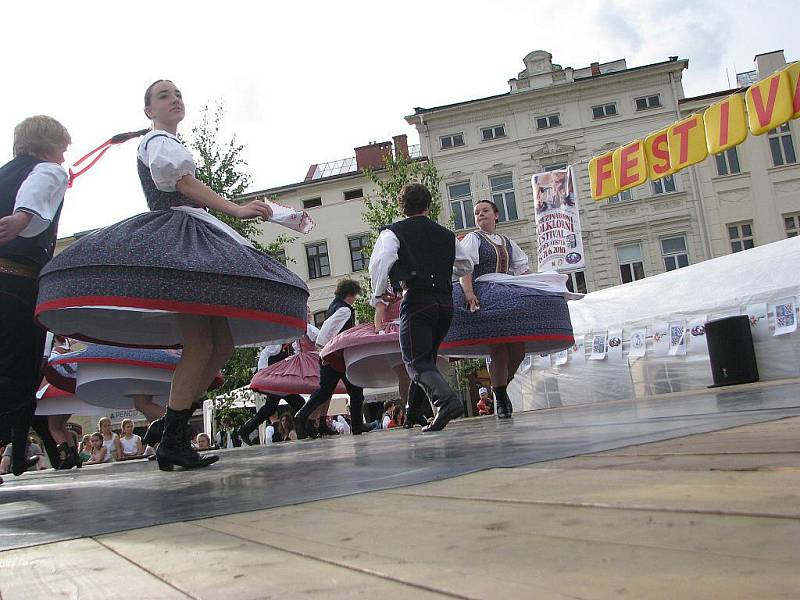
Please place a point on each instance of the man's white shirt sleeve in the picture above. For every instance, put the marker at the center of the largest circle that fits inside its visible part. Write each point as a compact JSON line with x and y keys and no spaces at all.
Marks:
{"x":40,"y":195}
{"x":332,"y":326}
{"x":383,"y":257}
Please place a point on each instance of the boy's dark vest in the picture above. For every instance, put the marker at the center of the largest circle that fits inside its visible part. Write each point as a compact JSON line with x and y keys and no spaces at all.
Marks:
{"x":426,"y":255}
{"x":31,"y":251}
{"x":336,"y":305}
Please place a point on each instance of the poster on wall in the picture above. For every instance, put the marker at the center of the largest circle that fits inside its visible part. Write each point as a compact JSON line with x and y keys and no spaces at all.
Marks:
{"x":615,"y":345}
{"x":696,"y":336}
{"x":598,"y":346}
{"x":578,"y":351}
{"x":785,"y":318}
{"x":560,"y":358}
{"x":638,"y":343}
{"x":759,"y":323}
{"x":661,"y":339}
{"x":558,"y":226}
{"x":677,"y":338}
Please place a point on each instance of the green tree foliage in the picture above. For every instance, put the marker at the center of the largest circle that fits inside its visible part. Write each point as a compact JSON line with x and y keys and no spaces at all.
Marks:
{"x":222,"y":167}
{"x":381,"y":208}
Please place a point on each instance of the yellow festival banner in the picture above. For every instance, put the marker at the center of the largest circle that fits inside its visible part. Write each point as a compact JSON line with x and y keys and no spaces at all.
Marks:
{"x":765,"y":105}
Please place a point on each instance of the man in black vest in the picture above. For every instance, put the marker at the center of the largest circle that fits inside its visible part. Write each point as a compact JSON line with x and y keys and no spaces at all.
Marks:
{"x":341,"y":316}
{"x":420,"y":254}
{"x":32,"y":188}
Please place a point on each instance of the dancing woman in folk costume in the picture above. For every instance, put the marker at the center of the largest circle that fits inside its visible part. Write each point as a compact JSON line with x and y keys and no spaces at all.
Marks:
{"x":370,"y":355}
{"x":174,"y":277}
{"x":501,"y":310}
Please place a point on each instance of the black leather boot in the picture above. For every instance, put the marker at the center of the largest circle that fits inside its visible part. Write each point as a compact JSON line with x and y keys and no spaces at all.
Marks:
{"x":154,"y":432}
{"x":302,"y":416}
{"x":414,"y":414}
{"x":324,"y":429}
{"x":265,"y":412}
{"x":175,"y":447}
{"x":503,"y":403}
{"x":446,"y":404}
{"x":357,"y":426}
{"x":69,"y":457}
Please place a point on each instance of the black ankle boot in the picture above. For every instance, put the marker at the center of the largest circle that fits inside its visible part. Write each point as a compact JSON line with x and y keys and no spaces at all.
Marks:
{"x":501,"y":400}
{"x":324,"y":429}
{"x":357,"y":426}
{"x":175,"y":447}
{"x":154,"y":432}
{"x":445,"y":402}
{"x":70,"y":459}
{"x":246,"y":430}
{"x":416,"y":399}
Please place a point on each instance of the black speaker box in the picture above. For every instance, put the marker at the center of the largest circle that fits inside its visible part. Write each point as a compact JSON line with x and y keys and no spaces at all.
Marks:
{"x":730,"y":349}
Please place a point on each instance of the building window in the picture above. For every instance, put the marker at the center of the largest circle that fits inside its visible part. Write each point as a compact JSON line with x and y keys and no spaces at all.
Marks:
{"x":319,"y":318}
{"x":461,"y":205}
{"x":604,"y":110}
{"x":493,"y":132}
{"x":312,"y":202}
{"x":555,"y":167}
{"x":727,"y":162}
{"x":631,"y":265}
{"x":548,"y":122}
{"x":319,"y":264}
{"x":503,"y":196}
{"x":623,"y":196}
{"x":674,"y":252}
{"x":647,"y":102}
{"x":741,"y":236}
{"x":358,"y":260}
{"x":451,"y":141}
{"x":792,"y":224}
{"x":576,"y":282}
{"x":664,"y":185}
{"x":354,"y":194}
{"x":781,"y":146}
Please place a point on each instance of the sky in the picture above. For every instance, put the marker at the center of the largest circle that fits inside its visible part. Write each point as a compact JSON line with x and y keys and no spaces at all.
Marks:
{"x":306,"y":82}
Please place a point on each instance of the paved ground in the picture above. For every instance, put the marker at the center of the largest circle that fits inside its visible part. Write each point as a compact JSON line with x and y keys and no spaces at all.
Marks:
{"x":713,"y":515}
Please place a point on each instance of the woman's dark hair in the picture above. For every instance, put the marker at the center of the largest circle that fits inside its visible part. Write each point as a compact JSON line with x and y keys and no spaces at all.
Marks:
{"x":284,"y":431}
{"x":149,"y":91}
{"x":494,"y":208}
{"x":347,"y":287}
{"x":414,"y":199}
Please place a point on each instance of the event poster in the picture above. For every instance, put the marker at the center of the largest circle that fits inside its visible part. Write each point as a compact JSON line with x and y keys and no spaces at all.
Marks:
{"x":677,"y":338}
{"x":579,"y":350}
{"x":785,"y":317}
{"x":759,"y":322}
{"x":698,"y":344}
{"x":638,"y":347}
{"x":558,"y":226}
{"x":661,"y":339}
{"x":615,"y":345}
{"x":599,"y":341}
{"x":560,"y":358}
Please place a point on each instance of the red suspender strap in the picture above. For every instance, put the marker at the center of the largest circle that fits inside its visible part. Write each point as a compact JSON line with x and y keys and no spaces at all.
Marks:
{"x":100,"y":150}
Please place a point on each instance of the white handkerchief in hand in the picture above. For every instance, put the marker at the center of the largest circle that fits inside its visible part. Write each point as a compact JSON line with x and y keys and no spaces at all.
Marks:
{"x":291,"y":218}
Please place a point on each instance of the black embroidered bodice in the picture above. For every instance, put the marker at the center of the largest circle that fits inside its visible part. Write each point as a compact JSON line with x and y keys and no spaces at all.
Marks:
{"x":492,"y":258}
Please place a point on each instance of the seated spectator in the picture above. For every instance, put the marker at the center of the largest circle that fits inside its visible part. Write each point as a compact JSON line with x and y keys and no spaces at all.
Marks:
{"x":485,"y":403}
{"x":281,"y":430}
{"x":129,"y":442}
{"x":33,"y":453}
{"x":110,"y":439}
{"x":341,"y":425}
{"x":391,"y":417}
{"x":85,"y":450}
{"x":99,"y":453}
{"x":203,"y":442}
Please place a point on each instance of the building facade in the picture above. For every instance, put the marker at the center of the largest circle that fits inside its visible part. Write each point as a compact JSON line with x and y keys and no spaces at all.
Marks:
{"x":750,"y":193}
{"x":333,"y":195}
{"x":489,"y":148}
